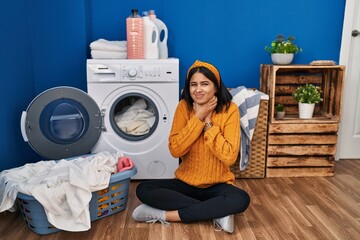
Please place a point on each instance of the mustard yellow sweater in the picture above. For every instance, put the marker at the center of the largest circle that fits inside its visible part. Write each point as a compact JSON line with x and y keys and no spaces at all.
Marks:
{"x":206,"y":156}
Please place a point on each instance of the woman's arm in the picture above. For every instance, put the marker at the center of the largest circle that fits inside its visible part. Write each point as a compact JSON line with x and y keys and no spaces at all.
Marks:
{"x":184,"y":131}
{"x":224,"y":141}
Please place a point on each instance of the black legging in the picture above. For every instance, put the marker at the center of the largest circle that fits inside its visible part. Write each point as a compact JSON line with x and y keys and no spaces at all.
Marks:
{"x":193,"y":204}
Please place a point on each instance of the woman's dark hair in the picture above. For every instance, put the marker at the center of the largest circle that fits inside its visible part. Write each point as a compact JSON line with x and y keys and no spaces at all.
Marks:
{"x":223,"y":95}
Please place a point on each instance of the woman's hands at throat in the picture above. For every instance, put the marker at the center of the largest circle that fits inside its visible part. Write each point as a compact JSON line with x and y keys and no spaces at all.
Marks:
{"x":204,"y":111}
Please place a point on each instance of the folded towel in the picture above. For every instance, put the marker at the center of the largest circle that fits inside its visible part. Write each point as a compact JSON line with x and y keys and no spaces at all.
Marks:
{"x":105,"y":45}
{"x":248,"y":103}
{"x":97,"y":54}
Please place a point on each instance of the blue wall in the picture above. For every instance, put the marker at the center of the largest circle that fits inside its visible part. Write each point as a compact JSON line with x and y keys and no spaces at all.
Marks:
{"x":44,"y":44}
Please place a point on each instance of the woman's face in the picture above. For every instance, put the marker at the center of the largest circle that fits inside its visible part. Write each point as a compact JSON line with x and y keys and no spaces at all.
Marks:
{"x":201,"y":89}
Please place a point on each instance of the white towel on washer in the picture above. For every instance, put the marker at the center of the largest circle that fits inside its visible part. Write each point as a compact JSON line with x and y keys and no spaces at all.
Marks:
{"x":106,"y":45}
{"x":100,"y":54}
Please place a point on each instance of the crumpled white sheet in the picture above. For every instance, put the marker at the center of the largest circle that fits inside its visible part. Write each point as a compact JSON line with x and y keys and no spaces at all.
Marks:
{"x":136,"y":120}
{"x":64,"y":188}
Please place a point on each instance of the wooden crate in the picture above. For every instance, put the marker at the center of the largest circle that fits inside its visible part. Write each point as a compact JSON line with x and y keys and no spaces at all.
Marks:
{"x":280,"y":82}
{"x":302,"y":147}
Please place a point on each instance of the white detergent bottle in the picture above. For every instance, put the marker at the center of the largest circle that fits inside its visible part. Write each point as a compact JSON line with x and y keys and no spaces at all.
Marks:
{"x":163,"y":34}
{"x":151,"y":38}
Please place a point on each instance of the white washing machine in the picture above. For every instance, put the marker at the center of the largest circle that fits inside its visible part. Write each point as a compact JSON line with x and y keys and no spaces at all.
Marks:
{"x":128,"y":108}
{"x":137,"y":99}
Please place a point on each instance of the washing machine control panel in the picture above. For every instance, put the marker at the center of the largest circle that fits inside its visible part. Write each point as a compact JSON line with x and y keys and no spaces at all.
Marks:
{"x":133,"y":70}
{"x":147,"y":72}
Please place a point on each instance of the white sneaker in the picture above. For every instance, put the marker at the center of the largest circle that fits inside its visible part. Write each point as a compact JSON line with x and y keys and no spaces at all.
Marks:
{"x":225,"y":223}
{"x":145,"y":213}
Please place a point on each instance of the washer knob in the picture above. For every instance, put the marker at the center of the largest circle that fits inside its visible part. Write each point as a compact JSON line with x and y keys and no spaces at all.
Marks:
{"x":132,"y":72}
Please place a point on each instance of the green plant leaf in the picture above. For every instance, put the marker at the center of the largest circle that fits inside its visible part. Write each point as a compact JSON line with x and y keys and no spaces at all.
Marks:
{"x":308,"y":93}
{"x":280,"y":45}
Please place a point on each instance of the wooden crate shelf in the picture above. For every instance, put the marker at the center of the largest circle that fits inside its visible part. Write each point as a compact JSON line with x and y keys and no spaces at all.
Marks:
{"x":300,"y":161}
{"x":280,"y":82}
{"x":302,"y":147}
{"x":300,"y":172}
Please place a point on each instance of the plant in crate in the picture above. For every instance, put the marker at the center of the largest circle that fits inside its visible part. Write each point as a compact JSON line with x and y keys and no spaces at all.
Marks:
{"x":282,"y":50}
{"x":307,"y":96}
{"x":280,"y":111}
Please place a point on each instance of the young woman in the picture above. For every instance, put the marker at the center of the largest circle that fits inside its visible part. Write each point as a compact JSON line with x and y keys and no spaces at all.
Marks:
{"x":205,"y":135}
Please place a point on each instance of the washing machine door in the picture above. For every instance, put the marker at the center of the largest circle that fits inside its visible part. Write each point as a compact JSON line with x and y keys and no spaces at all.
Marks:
{"x":62,"y":122}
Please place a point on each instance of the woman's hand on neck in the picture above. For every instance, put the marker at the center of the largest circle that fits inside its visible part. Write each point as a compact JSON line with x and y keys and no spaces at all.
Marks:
{"x":204,"y":111}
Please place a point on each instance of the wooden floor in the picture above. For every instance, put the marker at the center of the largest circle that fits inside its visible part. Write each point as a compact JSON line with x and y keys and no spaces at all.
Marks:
{"x":281,"y":208}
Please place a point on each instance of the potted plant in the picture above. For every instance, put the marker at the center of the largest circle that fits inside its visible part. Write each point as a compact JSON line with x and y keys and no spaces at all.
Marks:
{"x":307,"y":96}
{"x":280,"y":111}
{"x":282,"y":51}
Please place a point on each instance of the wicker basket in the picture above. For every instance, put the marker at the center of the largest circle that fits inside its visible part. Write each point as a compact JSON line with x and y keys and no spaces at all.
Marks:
{"x":256,"y":167}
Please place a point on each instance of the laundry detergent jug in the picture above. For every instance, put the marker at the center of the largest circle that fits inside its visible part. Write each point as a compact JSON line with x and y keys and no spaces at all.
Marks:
{"x":163,"y":34}
{"x":135,"y":35}
{"x":151,"y":38}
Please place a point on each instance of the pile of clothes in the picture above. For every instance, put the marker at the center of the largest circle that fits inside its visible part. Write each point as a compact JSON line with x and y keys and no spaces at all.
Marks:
{"x":136,"y":119}
{"x":105,"y":49}
{"x":64,"y":188}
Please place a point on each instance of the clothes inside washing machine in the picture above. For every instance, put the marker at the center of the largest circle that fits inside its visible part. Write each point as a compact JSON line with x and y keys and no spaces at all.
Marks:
{"x":134,"y":116}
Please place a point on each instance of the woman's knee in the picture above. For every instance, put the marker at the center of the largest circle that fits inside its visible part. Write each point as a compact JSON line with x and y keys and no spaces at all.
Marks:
{"x":143,"y":189}
{"x":240,"y":201}
{"x":244,"y":200}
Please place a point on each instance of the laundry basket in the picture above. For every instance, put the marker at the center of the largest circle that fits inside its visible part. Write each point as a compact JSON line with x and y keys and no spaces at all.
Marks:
{"x":256,"y":167}
{"x":102,"y":204}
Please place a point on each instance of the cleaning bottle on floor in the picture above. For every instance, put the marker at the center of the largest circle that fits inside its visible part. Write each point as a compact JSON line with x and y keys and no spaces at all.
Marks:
{"x":135,"y":35}
{"x":151,"y":38}
{"x":163,"y":34}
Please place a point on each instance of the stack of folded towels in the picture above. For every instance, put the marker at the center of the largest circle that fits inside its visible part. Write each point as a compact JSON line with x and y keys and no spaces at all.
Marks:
{"x":102,"y":48}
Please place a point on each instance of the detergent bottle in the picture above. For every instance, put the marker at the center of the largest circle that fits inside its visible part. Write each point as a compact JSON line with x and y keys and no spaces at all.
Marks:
{"x":163,"y":34}
{"x":151,"y":38}
{"x":135,"y":35}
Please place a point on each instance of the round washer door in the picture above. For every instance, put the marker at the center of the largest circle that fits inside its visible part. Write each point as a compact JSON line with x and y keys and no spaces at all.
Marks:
{"x":62,"y":122}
